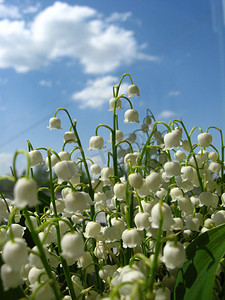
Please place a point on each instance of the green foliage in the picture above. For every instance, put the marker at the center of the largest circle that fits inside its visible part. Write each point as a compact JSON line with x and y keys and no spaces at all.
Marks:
{"x":196,"y":279}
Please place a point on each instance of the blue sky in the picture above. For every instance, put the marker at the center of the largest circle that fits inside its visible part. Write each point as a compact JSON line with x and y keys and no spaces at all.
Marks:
{"x":70,"y":53}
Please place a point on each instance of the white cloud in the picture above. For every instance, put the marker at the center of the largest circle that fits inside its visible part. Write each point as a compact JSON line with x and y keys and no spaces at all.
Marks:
{"x":173,"y":93}
{"x":46,"y":83}
{"x":76,"y":32}
{"x":165,"y":114}
{"x":9,"y":11}
{"x":98,"y":91}
{"x":122,"y":17}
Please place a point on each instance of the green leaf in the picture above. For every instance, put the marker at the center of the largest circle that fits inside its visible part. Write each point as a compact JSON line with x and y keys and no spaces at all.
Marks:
{"x":196,"y":279}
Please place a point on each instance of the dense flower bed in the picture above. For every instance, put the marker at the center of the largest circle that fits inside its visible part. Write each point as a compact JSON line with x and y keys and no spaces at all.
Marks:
{"x":118,"y":231}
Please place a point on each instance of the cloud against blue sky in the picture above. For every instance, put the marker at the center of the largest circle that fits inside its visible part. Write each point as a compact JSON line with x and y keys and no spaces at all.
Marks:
{"x":79,"y":33}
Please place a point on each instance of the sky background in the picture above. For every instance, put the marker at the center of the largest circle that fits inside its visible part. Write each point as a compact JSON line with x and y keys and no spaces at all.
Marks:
{"x":70,"y":53}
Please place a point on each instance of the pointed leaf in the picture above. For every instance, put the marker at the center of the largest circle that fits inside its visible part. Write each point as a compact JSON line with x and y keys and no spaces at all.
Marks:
{"x":196,"y":279}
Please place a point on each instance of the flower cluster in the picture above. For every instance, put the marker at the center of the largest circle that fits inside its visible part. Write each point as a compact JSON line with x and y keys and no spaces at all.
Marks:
{"x":118,"y":231}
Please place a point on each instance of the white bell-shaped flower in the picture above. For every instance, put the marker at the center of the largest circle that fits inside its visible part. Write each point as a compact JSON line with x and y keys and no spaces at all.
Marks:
{"x":178,"y":224}
{"x":131,"y":238}
{"x":92,"y":230}
{"x":112,"y":234}
{"x":35,"y":259}
{"x":206,"y":198}
{"x":204,"y":139}
{"x":16,"y":229}
{"x":213,"y":156}
{"x":135,"y":180}
{"x":175,"y":193}
{"x":77,"y":202}
{"x":118,"y":222}
{"x":154,"y":181}
{"x":142,"y":220}
{"x":132,"y":158}
{"x":174,"y":255}
{"x":112,"y":104}
{"x":34,"y":274}
{"x":107,"y":272}
{"x":106,"y":173}
{"x":15,"y":253}
{"x":180,"y":155}
{"x":187,"y":172}
{"x":95,"y":169}
{"x":25,"y":193}
{"x":96,"y":142}
{"x":186,"y":145}
{"x":192,"y":223}
{"x":85,"y":261}
{"x":64,"y":155}
{"x":171,"y":140}
{"x":161,"y":210}
{"x":65,"y":170}
{"x":100,"y":251}
{"x":69,"y":137}
{"x":10,"y":278}
{"x":44,"y":292}
{"x":131,"y":116}
{"x":119,"y":136}
{"x":185,"y":204}
{"x":72,"y":244}
{"x":219,"y":217}
{"x":214,"y":167}
{"x":54,"y":123}
{"x":35,"y":158}
{"x":133,"y":90}
{"x":163,"y":294}
{"x":120,"y":190}
{"x":172,"y":168}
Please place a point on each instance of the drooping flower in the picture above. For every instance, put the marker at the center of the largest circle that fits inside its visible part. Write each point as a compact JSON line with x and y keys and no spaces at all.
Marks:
{"x":205,"y":139}
{"x":174,"y":255}
{"x":69,"y":137}
{"x":96,"y":142}
{"x":35,"y":158}
{"x":133,"y":90}
{"x":54,"y":123}
{"x":15,"y":253}
{"x":131,"y":238}
{"x":131,"y":116}
{"x":65,"y":170}
{"x":112,"y":104}
{"x":72,"y":246}
{"x":25,"y":191}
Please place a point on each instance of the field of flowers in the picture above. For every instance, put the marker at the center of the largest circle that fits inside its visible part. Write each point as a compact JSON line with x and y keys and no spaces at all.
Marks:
{"x":150,"y":224}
